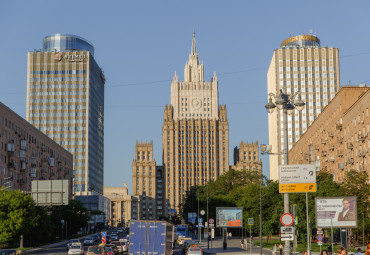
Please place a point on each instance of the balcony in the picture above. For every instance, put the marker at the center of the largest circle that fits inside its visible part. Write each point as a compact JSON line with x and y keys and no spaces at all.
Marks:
{"x":349,"y":146}
{"x":331,"y":135}
{"x":341,"y":166}
{"x":339,"y":153}
{"x":362,"y":137}
{"x":338,"y":126}
{"x":51,"y":161}
{"x":323,"y":154}
{"x":331,"y":147}
{"x":33,"y":161}
{"x":23,"y":166}
{"x":11,"y":164}
{"x":340,"y":140}
{"x":361,"y":154}
{"x":44,"y":170}
{"x":33,"y":175}
{"x":331,"y":159}
{"x":323,"y":141}
{"x":22,"y":181}
{"x":11,"y":148}
{"x":350,"y":161}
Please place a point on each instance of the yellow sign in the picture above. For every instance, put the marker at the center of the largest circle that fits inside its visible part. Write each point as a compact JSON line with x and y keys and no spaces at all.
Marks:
{"x":297,"y":187}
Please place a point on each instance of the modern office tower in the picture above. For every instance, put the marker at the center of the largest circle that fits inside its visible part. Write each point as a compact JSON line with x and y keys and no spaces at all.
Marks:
{"x":247,"y":157}
{"x":300,"y":65}
{"x":65,"y":100}
{"x":338,"y":140}
{"x":145,"y":181}
{"x":28,"y":155}
{"x":195,"y":132}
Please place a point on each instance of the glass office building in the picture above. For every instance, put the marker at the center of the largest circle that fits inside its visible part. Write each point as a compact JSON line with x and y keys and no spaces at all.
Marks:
{"x":65,"y":100}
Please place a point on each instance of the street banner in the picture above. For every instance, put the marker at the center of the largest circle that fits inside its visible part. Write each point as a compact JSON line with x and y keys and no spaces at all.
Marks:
{"x":336,"y":212}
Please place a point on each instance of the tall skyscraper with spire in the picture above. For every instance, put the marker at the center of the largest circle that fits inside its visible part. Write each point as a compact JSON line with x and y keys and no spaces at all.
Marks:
{"x":300,"y":65}
{"x":195,"y":132}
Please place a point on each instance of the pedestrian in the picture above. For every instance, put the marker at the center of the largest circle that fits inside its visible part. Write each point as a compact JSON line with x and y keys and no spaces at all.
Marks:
{"x":367,"y":249}
{"x":304,"y":252}
{"x":324,"y":252}
{"x":344,"y":251}
{"x":231,"y":235}
{"x":359,"y":251}
{"x":339,"y":250}
{"x":330,"y":251}
{"x":281,"y":248}
{"x":275,"y":250}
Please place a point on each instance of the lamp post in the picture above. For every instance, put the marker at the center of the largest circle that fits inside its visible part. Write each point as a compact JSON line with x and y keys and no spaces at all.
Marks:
{"x":284,"y":102}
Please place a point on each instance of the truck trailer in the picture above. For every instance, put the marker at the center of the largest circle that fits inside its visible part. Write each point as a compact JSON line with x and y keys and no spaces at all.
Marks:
{"x":151,"y":238}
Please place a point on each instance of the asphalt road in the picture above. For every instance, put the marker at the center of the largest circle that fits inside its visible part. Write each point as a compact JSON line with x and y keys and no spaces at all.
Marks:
{"x":62,"y":248}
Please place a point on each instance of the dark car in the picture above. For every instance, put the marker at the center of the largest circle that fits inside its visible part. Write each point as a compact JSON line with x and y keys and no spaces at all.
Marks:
{"x":113,"y":247}
{"x":118,"y":245}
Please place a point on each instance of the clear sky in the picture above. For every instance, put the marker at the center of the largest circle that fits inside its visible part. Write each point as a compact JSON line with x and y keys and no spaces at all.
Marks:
{"x":140,"y":44}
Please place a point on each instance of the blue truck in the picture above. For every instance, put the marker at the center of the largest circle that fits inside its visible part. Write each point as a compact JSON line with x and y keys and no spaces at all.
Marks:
{"x":151,"y":238}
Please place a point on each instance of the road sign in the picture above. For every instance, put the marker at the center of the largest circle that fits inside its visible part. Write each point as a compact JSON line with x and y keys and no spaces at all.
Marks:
{"x":286,"y":219}
{"x":319,"y":238}
{"x":287,"y":237}
{"x":319,"y":243}
{"x":297,"y":188}
{"x":320,"y":232}
{"x":211,"y":225}
{"x":200,"y":220}
{"x":250,"y":221}
{"x":287,"y":230}
{"x":104,"y":240}
{"x":289,"y":174}
{"x":295,"y":220}
{"x":319,"y":229}
{"x":211,"y":221}
{"x":103,"y":234}
{"x":202,"y":212}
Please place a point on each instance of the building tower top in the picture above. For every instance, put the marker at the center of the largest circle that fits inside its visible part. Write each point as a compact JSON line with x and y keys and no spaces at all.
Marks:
{"x":66,"y":42}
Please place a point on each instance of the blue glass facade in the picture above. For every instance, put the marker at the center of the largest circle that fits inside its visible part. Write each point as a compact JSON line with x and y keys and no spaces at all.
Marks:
{"x":66,"y":42}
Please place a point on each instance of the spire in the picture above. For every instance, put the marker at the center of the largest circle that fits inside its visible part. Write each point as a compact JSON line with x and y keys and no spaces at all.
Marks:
{"x":193,"y":45}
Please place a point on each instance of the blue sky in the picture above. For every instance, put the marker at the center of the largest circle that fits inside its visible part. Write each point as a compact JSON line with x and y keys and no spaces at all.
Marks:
{"x":140,"y":44}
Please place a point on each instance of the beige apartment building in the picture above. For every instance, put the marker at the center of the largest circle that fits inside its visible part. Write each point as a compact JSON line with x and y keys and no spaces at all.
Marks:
{"x":123,"y":206}
{"x":300,"y":65}
{"x":246,"y":157}
{"x":27,"y":154}
{"x":147,"y":183}
{"x":195,"y":132}
{"x":65,"y":100}
{"x":337,"y":141}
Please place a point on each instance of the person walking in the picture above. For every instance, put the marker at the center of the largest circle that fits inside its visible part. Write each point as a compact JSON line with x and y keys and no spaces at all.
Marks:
{"x":274,"y":252}
{"x":281,"y":247}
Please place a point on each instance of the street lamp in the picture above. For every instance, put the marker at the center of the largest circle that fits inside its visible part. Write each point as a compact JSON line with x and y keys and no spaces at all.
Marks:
{"x":284,"y":102}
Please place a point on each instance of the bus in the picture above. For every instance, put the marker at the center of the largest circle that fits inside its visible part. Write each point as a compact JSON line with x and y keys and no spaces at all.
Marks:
{"x":181,"y":230}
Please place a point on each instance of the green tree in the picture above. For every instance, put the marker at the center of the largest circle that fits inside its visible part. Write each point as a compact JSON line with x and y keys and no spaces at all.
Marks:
{"x":18,"y":215}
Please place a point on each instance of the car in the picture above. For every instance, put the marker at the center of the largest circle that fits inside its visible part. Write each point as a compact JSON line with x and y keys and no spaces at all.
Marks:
{"x":119,"y":246}
{"x":114,"y":248}
{"x":69,"y":244}
{"x":96,"y":250}
{"x":195,"y":250}
{"x":89,"y":241}
{"x":124,"y":246}
{"x":119,"y":230}
{"x":108,"y":239}
{"x":114,"y":237}
{"x":76,"y":248}
{"x":96,"y":238}
{"x":110,"y":251}
{"x":189,"y":243}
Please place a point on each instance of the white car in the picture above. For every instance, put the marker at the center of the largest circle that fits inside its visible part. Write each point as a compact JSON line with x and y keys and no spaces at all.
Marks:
{"x":69,"y":244}
{"x":195,"y":251}
{"x":89,"y":241}
{"x":76,"y":248}
{"x":124,"y":246}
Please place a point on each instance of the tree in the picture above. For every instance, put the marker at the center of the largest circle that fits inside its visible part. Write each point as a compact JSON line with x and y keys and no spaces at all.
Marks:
{"x":18,"y":215}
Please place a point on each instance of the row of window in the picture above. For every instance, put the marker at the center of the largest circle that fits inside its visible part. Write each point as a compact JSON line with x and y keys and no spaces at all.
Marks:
{"x":58,"y":86}
{"x":58,"y":79}
{"x":57,"y":114}
{"x":58,"y":93}
{"x":58,"y":100}
{"x":59,"y":72}
{"x":74,"y":121}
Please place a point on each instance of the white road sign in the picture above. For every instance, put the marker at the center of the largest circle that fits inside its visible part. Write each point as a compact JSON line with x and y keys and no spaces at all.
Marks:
{"x":297,"y":174}
{"x":287,"y":230}
{"x":287,"y":237}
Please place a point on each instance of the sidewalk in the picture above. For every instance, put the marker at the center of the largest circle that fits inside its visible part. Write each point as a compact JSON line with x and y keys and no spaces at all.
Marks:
{"x":233,"y":247}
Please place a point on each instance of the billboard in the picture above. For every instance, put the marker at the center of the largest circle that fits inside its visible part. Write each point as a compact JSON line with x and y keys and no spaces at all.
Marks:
{"x":336,"y":212}
{"x":50,"y":192}
{"x":229,"y":217}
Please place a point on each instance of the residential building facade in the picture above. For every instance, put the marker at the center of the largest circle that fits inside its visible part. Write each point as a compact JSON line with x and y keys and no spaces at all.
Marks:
{"x":65,"y":100}
{"x":121,"y":205}
{"x":247,"y":157}
{"x":148,"y":183}
{"x":300,"y":65}
{"x":337,"y":141}
{"x":27,"y":154}
{"x":195,"y":132}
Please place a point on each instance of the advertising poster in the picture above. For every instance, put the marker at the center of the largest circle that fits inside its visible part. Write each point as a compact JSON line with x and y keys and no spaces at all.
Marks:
{"x":336,"y":212}
{"x":229,"y":217}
